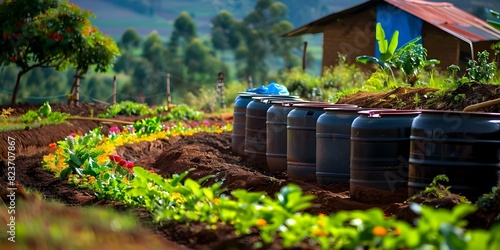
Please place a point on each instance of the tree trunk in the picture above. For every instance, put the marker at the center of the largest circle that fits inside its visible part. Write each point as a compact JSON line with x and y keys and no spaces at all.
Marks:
{"x":16,"y":88}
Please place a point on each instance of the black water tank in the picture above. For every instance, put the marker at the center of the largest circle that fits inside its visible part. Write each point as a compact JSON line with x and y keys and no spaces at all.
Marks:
{"x":464,"y":146}
{"x":380,"y":148}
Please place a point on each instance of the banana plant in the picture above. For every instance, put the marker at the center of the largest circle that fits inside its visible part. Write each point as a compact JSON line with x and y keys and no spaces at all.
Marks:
{"x":386,"y":48}
{"x":495,"y":23}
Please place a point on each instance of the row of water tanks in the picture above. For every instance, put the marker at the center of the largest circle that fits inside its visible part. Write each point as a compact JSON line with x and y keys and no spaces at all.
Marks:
{"x":377,"y":151}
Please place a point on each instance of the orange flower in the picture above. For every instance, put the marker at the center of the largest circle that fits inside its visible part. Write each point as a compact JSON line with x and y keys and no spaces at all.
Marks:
{"x":321,"y":215}
{"x":379,"y":231}
{"x":216,"y":201}
{"x":321,"y":223}
{"x":318,"y":232}
{"x":53,"y":145}
{"x":261,"y":222}
{"x":397,"y":231}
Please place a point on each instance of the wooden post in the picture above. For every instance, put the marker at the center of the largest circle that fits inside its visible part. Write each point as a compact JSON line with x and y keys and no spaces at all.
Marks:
{"x":250,"y":82}
{"x":169,"y":97}
{"x":304,"y":61}
{"x":220,"y":89}
{"x":114,"y":90}
{"x":77,"y":92}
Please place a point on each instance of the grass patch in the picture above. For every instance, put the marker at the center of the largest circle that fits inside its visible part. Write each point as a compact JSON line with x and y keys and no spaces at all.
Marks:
{"x":49,"y":225}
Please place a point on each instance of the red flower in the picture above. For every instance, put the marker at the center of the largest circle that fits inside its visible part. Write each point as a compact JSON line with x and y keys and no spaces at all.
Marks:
{"x":122,"y":162}
{"x":115,"y":158}
{"x":53,"y":145}
{"x":129,"y":165}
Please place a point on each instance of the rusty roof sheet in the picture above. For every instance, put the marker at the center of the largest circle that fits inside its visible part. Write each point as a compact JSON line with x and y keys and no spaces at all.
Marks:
{"x":449,"y":18}
{"x":443,"y":15}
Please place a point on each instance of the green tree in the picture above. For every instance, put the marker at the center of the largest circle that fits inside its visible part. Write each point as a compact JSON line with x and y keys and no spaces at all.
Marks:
{"x":130,"y":39}
{"x":153,"y":50}
{"x":225,"y":31}
{"x":260,"y":29}
{"x":125,"y":63}
{"x":184,"y":31}
{"x":51,"y":33}
{"x":283,"y":47}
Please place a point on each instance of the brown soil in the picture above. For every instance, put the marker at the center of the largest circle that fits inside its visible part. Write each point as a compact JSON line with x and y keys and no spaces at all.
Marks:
{"x":211,"y":154}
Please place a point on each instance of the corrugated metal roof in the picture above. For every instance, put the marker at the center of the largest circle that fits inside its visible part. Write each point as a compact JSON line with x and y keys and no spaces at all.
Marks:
{"x":449,"y":18}
{"x":443,"y":15}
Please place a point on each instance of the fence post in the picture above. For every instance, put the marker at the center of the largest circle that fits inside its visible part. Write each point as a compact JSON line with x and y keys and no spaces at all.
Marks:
{"x":77,"y":92}
{"x":114,"y":90}
{"x":169,"y":97}
{"x":220,"y":89}
{"x":304,"y":61}
{"x":250,"y":82}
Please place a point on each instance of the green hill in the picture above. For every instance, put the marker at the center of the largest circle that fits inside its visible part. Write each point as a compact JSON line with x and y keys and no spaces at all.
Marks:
{"x":115,"y":16}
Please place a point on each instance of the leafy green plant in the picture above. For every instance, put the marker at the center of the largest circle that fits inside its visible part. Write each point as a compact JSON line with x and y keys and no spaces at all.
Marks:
{"x":436,"y":190}
{"x":486,"y":200}
{"x":57,"y":117}
{"x":127,"y":108}
{"x":45,"y":110}
{"x":411,"y":58}
{"x":442,"y":228}
{"x":481,"y":70}
{"x":30,"y":116}
{"x":79,"y":154}
{"x":183,"y":113}
{"x":148,"y":126}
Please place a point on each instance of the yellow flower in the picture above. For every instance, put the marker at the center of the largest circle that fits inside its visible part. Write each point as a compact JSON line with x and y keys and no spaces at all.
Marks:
{"x":319,"y":232}
{"x":176,"y":195}
{"x":261,"y":222}
{"x":379,"y":231}
{"x":321,"y":223}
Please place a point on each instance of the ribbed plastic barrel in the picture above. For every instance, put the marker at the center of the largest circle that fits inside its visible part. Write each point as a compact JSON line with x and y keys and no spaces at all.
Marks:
{"x":301,"y":139}
{"x":461,"y":145}
{"x":276,"y":122}
{"x":255,"y":127}
{"x":239,"y":121}
{"x":380,"y":148}
{"x":333,"y":144}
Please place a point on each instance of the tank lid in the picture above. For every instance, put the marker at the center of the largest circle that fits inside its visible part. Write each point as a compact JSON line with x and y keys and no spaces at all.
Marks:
{"x":323,"y":105}
{"x":293,"y":103}
{"x":464,"y":113}
{"x":376,"y":113}
{"x":283,"y":101}
{"x":259,"y":97}
{"x":349,"y":108}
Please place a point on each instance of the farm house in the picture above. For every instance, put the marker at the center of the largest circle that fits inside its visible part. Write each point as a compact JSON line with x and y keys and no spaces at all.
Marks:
{"x":449,"y":34}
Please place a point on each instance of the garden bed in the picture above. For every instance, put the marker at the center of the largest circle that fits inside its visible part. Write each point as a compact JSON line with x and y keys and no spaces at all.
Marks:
{"x":210,"y":154}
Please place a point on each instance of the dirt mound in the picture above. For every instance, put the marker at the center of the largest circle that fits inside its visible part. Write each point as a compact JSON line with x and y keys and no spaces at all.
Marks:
{"x":429,"y":98}
{"x":84,"y":109}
